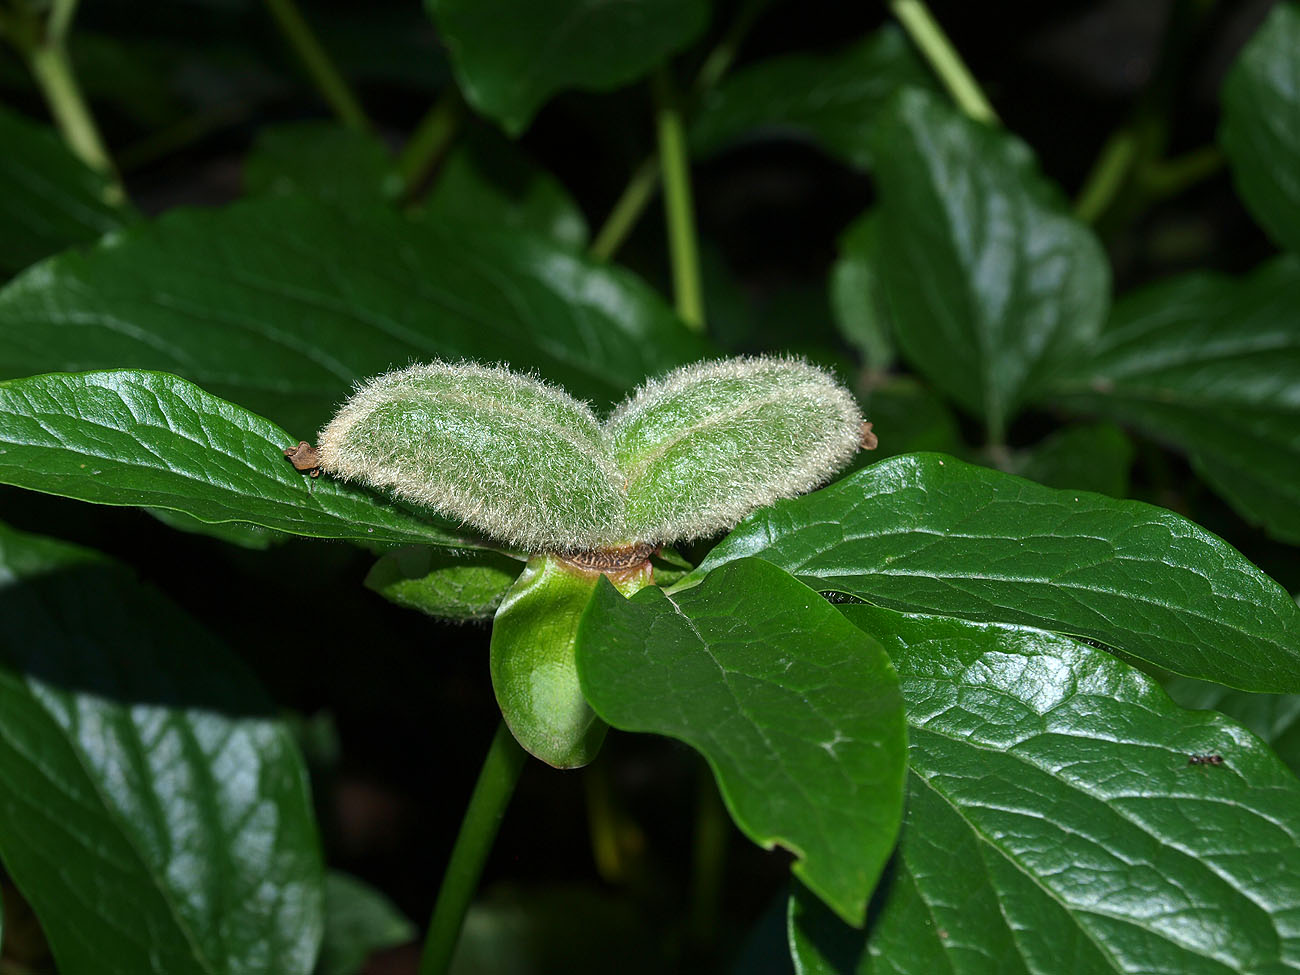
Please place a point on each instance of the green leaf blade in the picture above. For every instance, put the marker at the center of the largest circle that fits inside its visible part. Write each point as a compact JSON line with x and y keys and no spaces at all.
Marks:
{"x":1055,"y":824}
{"x":511,"y":56}
{"x":464,"y":587}
{"x":283,"y":304}
{"x":49,"y":199}
{"x":799,"y":717}
{"x":1210,"y":365}
{"x":927,"y":533}
{"x":154,"y":816}
{"x":359,"y":920}
{"x":1261,"y":100}
{"x":992,"y":285}
{"x":154,"y":440}
{"x":833,"y":101}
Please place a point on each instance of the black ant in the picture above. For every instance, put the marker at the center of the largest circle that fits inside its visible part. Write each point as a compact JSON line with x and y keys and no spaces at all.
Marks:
{"x":1204,"y":759}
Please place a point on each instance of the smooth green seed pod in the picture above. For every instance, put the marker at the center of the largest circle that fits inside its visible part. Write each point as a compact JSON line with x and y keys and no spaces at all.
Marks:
{"x":508,"y":455}
{"x":534,"y":670}
{"x":707,"y":444}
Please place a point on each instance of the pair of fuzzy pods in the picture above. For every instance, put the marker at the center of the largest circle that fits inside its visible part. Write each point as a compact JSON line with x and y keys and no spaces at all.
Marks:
{"x":523,"y":462}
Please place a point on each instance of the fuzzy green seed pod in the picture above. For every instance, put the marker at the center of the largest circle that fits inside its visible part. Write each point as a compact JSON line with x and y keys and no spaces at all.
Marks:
{"x":517,"y":459}
{"x":709,"y":443}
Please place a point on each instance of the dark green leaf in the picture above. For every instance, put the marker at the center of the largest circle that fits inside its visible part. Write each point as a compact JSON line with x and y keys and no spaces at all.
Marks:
{"x":833,"y":101}
{"x":236,"y":533}
{"x":282,"y":304}
{"x":1274,"y":717}
{"x":991,"y":283}
{"x":1055,"y":824}
{"x":151,"y":811}
{"x":1083,"y":456}
{"x":359,"y":920}
{"x":150,"y":439}
{"x":1261,"y":103}
{"x":797,"y":713}
{"x":1210,"y":365}
{"x":486,"y":180}
{"x":49,"y":199}
{"x":857,"y":296}
{"x":467,"y":586}
{"x":927,"y":533}
{"x":511,"y":56}
{"x":321,"y":159}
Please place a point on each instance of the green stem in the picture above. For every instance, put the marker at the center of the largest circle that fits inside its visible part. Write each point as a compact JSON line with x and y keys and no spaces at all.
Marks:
{"x":627,"y":211}
{"x":430,"y":141}
{"x":679,"y":211}
{"x":934,"y":45}
{"x":323,"y":73}
{"x":1169,"y":177}
{"x":52,"y":69}
{"x":1108,"y":175}
{"x":496,"y":783}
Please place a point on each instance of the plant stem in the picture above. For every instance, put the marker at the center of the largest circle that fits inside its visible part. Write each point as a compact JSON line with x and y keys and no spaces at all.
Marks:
{"x":1169,"y":177}
{"x":42,"y":46}
{"x":496,"y":783}
{"x":679,"y":210}
{"x":1108,"y":175}
{"x":430,"y":141}
{"x":933,"y":43}
{"x":323,"y":73}
{"x":636,"y":196}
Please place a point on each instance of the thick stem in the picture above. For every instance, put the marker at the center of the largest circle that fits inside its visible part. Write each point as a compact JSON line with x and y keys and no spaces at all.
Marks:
{"x":934,"y":45}
{"x":323,"y":73}
{"x":496,"y":783}
{"x":430,"y":141}
{"x":679,"y":211}
{"x":52,"y":69}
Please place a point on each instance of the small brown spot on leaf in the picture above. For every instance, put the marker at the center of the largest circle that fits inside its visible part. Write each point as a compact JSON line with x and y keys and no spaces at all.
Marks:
{"x":304,"y":457}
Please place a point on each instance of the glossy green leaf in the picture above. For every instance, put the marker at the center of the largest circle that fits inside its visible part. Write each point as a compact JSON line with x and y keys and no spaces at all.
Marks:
{"x":927,"y":533}
{"x":511,"y":56}
{"x":533,"y":663}
{"x":321,"y":159}
{"x":359,"y":920}
{"x":1210,"y":365}
{"x":150,"y":439}
{"x":463,"y":586}
{"x":1261,"y":102}
{"x":152,"y":811}
{"x":485,"y":179}
{"x":831,"y":100}
{"x":797,"y":713}
{"x":49,"y":199}
{"x":1055,"y":824}
{"x":1274,"y":717}
{"x":857,"y":294}
{"x":1087,"y":456}
{"x":282,"y":304}
{"x":236,"y":533}
{"x":992,"y":284}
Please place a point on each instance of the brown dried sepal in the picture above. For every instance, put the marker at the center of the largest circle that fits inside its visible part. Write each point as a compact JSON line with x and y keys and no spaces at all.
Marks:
{"x":617,"y":563}
{"x":304,"y":457}
{"x":869,"y":440}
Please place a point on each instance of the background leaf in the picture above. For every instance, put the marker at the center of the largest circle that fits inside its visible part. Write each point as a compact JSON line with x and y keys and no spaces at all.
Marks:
{"x":464,"y":586}
{"x":359,"y":921}
{"x":486,"y":180}
{"x":321,"y":159}
{"x":797,"y":714}
{"x":832,"y":101}
{"x":511,"y":56}
{"x":1261,"y":101}
{"x":1210,"y":365}
{"x":283,"y":304}
{"x":150,"y":439}
{"x":155,"y":816}
{"x":1083,"y":456}
{"x":927,"y":533}
{"x":858,"y":298}
{"x":1274,"y":717}
{"x":49,"y":199}
{"x":991,"y":283}
{"x":1054,"y":823}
